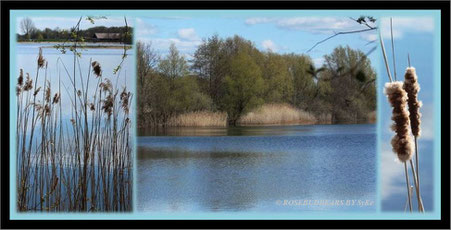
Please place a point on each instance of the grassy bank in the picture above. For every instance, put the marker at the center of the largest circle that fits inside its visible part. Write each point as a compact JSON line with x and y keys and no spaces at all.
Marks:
{"x":277,"y":114}
{"x":269,"y":114}
{"x":199,"y":119}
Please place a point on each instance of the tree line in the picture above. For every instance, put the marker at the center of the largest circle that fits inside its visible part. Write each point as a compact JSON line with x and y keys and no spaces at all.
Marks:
{"x":232,"y":75}
{"x":29,"y":32}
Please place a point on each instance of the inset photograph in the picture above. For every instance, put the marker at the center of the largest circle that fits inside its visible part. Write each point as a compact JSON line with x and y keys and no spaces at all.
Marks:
{"x":407,"y":114}
{"x":255,"y":111}
{"x":74,"y":97}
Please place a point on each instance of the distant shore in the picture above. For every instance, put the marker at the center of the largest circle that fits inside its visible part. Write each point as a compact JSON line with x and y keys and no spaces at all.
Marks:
{"x":106,"y":45}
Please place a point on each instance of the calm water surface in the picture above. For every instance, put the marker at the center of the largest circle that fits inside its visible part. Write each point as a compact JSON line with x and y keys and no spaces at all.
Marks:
{"x":257,"y":168}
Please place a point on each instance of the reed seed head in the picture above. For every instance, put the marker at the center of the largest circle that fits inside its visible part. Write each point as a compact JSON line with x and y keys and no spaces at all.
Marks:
{"x":47,"y":94}
{"x":402,"y":141}
{"x":108,"y":105}
{"x":106,"y":85}
{"x":18,"y":90}
{"x":37,"y":91}
{"x":41,"y":60}
{"x":412,"y":88}
{"x":96,"y":68}
{"x":124,"y":100}
{"x":56,"y":98}
{"x":28,"y":83}
{"x":20,"y":79}
{"x":92,"y":107}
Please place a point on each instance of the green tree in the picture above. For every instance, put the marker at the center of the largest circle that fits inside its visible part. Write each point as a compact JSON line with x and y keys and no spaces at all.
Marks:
{"x":304,"y":86}
{"x":352,"y":84}
{"x":174,"y":65}
{"x":278,"y":81}
{"x":243,"y":85}
{"x":147,"y":60}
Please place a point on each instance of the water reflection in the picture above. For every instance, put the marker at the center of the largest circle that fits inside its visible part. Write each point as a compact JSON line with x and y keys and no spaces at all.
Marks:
{"x":252,"y":172}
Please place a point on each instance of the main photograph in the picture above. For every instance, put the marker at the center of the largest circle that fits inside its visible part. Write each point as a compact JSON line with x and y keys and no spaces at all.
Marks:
{"x":241,"y":111}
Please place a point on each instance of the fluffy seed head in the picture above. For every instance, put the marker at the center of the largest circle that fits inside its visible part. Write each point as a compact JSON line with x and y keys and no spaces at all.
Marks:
{"x":20,"y":79}
{"x":28,"y":83}
{"x":47,"y":94}
{"x":96,"y":68}
{"x":412,"y":88}
{"x":402,"y":141}
{"x":41,"y":60}
{"x":56,"y":98}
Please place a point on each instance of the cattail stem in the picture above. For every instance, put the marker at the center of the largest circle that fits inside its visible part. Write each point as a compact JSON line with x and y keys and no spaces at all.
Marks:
{"x":420,"y":201}
{"x":393,"y":47}
{"x":385,"y":57}
{"x":417,"y":164}
{"x":408,"y":186}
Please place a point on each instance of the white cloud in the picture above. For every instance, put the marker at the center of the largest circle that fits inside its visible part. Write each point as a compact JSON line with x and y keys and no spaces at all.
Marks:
{"x":403,"y":25}
{"x":318,"y":62}
{"x":369,"y":37}
{"x":188,"y":34}
{"x":324,"y":25}
{"x":427,"y":122}
{"x":392,"y":172}
{"x":269,"y":45}
{"x":162,"y":44}
{"x":144,"y":29}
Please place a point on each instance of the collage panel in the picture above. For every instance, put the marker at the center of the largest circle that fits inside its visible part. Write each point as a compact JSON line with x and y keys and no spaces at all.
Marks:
{"x":267,"y":113}
{"x":74,"y":95}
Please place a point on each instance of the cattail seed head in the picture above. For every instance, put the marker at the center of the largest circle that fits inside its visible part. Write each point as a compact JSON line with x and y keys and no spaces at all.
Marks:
{"x":41,"y":60}
{"x":412,"y":88}
{"x":402,"y":141}
{"x":96,"y":68}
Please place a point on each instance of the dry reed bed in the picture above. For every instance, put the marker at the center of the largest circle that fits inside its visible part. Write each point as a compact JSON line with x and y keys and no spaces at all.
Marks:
{"x":79,"y":164}
{"x":277,"y":114}
{"x":199,"y":119}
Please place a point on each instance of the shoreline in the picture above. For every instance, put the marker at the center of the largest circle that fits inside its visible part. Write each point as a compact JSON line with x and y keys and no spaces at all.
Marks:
{"x":255,"y":125}
{"x":108,"y":45}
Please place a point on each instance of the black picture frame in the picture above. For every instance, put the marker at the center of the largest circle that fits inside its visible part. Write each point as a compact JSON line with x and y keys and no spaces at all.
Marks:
{"x":443,"y":6}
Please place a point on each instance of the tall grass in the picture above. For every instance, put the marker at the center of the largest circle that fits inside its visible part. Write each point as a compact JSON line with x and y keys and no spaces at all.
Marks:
{"x":199,"y":119}
{"x":277,"y":114}
{"x":78,"y":159}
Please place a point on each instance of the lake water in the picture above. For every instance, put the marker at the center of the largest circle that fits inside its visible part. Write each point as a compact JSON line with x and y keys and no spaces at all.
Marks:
{"x":109,"y":59}
{"x":264,"y":169}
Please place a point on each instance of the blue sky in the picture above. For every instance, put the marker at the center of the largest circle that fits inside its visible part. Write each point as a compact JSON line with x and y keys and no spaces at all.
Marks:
{"x":276,"y":32}
{"x":65,"y":22}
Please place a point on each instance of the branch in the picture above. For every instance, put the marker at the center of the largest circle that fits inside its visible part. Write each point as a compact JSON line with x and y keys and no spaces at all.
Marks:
{"x":340,"y":33}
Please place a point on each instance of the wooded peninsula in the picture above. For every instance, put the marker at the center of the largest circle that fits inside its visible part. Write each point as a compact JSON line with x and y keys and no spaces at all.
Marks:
{"x":230,"y":82}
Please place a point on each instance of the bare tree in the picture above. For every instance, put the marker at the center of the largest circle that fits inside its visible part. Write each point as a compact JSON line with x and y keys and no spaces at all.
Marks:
{"x":27,"y":26}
